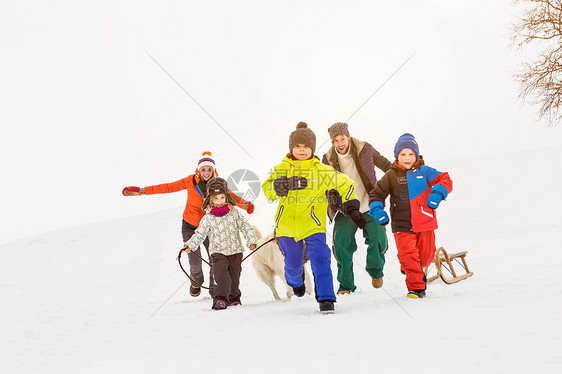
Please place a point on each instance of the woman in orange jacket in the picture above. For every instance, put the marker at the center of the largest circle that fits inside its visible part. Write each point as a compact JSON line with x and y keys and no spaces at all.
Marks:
{"x":196,"y":186}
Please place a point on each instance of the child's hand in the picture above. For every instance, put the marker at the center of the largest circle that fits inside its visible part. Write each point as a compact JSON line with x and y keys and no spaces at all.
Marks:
{"x":186,"y":249}
{"x":376,"y":210}
{"x":281,"y":186}
{"x":438,"y":193}
{"x":252,"y":247}
{"x":434,"y":200}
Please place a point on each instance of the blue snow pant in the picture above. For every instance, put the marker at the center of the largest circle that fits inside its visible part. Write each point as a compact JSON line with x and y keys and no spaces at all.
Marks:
{"x":320,"y":257}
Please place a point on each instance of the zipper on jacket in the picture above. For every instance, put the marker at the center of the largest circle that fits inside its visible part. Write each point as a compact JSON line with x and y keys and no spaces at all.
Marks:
{"x":281,"y":208}
{"x":351,"y":189}
{"x":314,"y":217}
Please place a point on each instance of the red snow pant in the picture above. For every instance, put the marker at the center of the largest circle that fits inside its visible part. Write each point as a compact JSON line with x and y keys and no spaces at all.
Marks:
{"x":416,"y":250}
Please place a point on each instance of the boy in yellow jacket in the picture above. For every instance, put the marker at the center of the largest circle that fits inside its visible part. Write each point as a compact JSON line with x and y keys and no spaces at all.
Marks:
{"x":301,"y":182}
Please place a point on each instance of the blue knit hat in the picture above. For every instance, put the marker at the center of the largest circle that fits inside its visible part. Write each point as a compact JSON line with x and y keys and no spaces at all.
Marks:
{"x":406,"y":141}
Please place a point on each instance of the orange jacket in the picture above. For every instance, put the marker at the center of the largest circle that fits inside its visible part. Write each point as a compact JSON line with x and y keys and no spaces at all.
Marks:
{"x":192,"y":213}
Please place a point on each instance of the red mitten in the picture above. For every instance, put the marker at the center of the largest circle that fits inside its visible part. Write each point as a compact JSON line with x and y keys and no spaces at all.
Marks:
{"x":128,"y":191}
{"x":250,"y":208}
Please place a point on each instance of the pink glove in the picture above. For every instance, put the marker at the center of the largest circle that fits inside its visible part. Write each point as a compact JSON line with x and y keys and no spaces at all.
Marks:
{"x":130,"y":191}
{"x":250,"y":208}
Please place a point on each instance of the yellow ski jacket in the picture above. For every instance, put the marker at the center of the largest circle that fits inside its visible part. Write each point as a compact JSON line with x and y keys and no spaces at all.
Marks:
{"x":303,"y":212}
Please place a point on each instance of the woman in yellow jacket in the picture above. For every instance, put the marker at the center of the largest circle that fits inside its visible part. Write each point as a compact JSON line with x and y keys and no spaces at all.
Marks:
{"x":302,"y":183}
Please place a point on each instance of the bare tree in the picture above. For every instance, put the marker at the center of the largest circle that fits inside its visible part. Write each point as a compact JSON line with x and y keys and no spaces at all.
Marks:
{"x":541,"y":80}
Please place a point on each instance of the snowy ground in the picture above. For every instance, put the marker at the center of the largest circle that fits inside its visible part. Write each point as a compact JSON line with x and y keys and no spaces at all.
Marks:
{"x":94,"y":299}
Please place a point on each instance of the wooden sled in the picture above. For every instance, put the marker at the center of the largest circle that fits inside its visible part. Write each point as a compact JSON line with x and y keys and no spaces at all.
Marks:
{"x":444,"y":265}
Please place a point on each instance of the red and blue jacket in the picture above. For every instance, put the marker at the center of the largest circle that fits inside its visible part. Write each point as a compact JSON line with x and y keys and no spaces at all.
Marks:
{"x":409,"y":191}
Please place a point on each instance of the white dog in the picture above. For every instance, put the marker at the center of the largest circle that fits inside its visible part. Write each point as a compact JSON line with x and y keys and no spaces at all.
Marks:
{"x":269,"y":262}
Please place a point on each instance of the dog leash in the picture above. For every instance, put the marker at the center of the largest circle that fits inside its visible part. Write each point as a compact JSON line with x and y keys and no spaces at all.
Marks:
{"x":185,"y":272}
{"x":205,"y":261}
{"x":261,"y":245}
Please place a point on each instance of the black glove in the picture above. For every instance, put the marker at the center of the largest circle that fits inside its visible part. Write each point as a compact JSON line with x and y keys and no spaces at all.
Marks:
{"x":351,"y":208}
{"x":297,"y":183}
{"x":281,"y":186}
{"x":334,"y":198}
{"x":358,"y":218}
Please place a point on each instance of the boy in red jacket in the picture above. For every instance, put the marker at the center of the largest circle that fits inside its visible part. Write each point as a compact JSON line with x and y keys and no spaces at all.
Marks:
{"x":415,"y":190}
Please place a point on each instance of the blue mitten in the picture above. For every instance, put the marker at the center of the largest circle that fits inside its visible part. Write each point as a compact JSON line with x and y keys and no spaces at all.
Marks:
{"x":376,"y":210}
{"x":438,"y":193}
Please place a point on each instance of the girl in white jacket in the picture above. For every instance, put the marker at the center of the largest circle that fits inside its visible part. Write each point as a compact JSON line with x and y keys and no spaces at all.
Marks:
{"x":223,"y":224}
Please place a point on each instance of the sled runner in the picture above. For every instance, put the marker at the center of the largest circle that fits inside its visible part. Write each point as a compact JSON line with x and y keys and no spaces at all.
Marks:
{"x":444,"y":265}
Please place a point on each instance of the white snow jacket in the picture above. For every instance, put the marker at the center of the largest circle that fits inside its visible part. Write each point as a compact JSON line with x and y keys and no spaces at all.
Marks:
{"x":223,"y":233}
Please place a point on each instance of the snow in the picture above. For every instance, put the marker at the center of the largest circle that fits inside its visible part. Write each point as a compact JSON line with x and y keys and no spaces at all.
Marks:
{"x":110,"y":297}
{"x":86,"y":111}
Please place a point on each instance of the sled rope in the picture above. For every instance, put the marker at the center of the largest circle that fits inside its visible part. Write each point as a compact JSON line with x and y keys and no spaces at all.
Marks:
{"x":449,"y":270}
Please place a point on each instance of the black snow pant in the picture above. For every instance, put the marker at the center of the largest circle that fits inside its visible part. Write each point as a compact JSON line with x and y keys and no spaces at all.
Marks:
{"x":195,"y":263}
{"x":227,"y":271}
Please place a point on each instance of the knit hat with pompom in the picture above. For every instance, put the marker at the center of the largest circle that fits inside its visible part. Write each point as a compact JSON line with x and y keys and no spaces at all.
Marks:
{"x":206,"y":160}
{"x":302,"y":135}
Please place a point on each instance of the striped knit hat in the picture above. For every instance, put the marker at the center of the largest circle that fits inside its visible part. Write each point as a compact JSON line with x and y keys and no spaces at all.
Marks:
{"x":206,"y":160}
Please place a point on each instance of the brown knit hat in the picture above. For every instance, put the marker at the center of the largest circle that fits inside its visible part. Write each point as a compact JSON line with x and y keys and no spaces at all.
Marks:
{"x":338,"y":128}
{"x":302,"y":135}
{"x":217,"y":186}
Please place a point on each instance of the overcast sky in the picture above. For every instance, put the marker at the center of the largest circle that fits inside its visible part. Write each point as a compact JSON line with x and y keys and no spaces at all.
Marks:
{"x":91,"y":97}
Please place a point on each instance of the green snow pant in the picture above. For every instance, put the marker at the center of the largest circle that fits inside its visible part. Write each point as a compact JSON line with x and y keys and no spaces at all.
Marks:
{"x":344,"y":245}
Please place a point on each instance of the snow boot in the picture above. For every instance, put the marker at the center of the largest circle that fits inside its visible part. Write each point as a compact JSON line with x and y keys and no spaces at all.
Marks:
{"x":299,"y":291}
{"x":219,"y":305}
{"x":197,"y":281}
{"x":326,"y":306}
{"x":194,"y":290}
{"x":377,"y":282}
{"x":416,"y":294}
{"x":235,"y":303}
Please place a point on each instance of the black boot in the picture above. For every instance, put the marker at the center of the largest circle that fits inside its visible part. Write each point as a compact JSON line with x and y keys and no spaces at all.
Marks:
{"x":326,"y":306}
{"x":299,"y":291}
